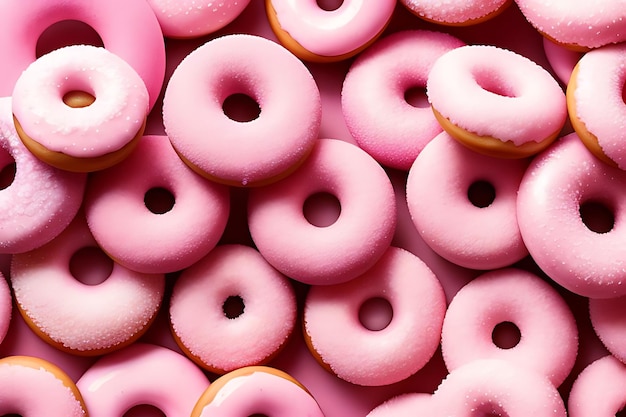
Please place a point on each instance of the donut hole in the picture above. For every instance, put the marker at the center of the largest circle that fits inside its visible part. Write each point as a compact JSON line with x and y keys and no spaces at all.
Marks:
{"x":489,"y":409}
{"x":321,"y":209}
{"x":481,"y":193}
{"x":329,"y":5}
{"x":159,"y":200}
{"x":597,"y":216}
{"x":66,"y":33}
{"x":78,"y":99}
{"x":506,"y":335}
{"x":375,"y":314}
{"x":233,"y":306}
{"x":7,"y":174}
{"x":241,"y":108}
{"x":621,"y":412}
{"x":416,"y":97}
{"x":90,"y":265}
{"x":11,"y":415}
{"x":144,"y":410}
{"x":492,"y":82}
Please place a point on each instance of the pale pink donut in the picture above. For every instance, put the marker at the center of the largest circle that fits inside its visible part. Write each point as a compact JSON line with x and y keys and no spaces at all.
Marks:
{"x":474,"y":234}
{"x":405,"y":405}
{"x":142,"y":374}
{"x":561,"y":59}
{"x":77,"y":317}
{"x":248,"y":153}
{"x":608,"y":318}
{"x":379,"y":117}
{"x":548,"y":341}
{"x":6,"y":307}
{"x":353,"y":352}
{"x":456,"y":12}
{"x":40,"y":201}
{"x":126,"y":228}
{"x":599,"y":389}
{"x":342,"y":250}
{"x":557,"y":185}
{"x":192,"y":18}
{"x":198,"y":312}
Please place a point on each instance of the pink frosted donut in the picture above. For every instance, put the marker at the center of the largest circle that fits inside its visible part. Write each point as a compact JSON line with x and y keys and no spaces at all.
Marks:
{"x":88,"y":136}
{"x":595,"y":103}
{"x":405,"y":405}
{"x":608,"y":318}
{"x":485,"y":96}
{"x":559,"y":194}
{"x":599,"y":389}
{"x":379,"y":117}
{"x":40,"y":201}
{"x":548,"y":342}
{"x":346,"y":248}
{"x":493,"y":387}
{"x":252,"y":152}
{"x":463,"y":204}
{"x":6,"y":307}
{"x":393,"y":350}
{"x":315,"y":34}
{"x":192,"y":19}
{"x":224,"y":320}
{"x":126,"y":222}
{"x":84,"y":318}
{"x":31,"y":387}
{"x":456,"y":12}
{"x":256,"y":391}
{"x":561,"y":59}
{"x":128,"y":28}
{"x":142,"y":374}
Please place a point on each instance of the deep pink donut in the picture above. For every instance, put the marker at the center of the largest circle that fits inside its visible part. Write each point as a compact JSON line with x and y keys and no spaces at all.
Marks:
{"x":599,"y":389}
{"x":6,"y":307}
{"x":608,"y":318}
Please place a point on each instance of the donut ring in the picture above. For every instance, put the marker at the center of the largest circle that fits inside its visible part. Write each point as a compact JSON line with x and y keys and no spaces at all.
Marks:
{"x":6,"y":307}
{"x":478,"y":92}
{"x":457,"y":13}
{"x":608,"y":318}
{"x":599,"y":389}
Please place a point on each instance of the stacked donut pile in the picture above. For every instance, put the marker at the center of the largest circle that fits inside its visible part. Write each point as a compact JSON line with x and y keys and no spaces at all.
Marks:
{"x":220,"y":208}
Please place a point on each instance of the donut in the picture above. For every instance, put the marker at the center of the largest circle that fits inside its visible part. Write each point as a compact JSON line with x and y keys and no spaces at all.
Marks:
{"x":457,"y":12}
{"x":89,"y":135}
{"x":561,"y":190}
{"x":251,"y":152}
{"x":142,"y":374}
{"x":405,"y":405}
{"x":125,"y":214}
{"x":112,"y":308}
{"x":599,"y":389}
{"x":318,"y":35}
{"x":485,"y":96}
{"x":223,"y":319}
{"x":379,"y":117}
{"x":342,"y":250}
{"x":464,"y":204}
{"x":548,"y":336}
{"x":256,"y":390}
{"x":31,"y":386}
{"x":595,"y":103}
{"x":6,"y":307}
{"x":40,"y":201}
{"x":392,"y":351}
{"x":561,"y":59}
{"x":608,"y":318}
{"x":128,"y":28}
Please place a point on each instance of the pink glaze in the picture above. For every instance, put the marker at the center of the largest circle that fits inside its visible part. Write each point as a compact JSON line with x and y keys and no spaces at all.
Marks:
{"x":133,"y":35}
{"x":126,"y":228}
{"x":560,"y":181}
{"x":374,"y":92}
{"x":405,"y":405}
{"x":464,"y":232}
{"x":608,"y":317}
{"x":561,"y":59}
{"x":346,"y":248}
{"x":40,"y":201}
{"x":548,"y":342}
{"x":6,"y":307}
{"x":192,"y":19}
{"x":455,"y":12}
{"x":491,"y":91}
{"x":258,"y":391}
{"x":377,"y":357}
{"x":599,"y":389}
{"x":86,"y":319}
{"x":142,"y":374}
{"x":105,"y":126}
{"x":242,"y":153}
{"x":198,"y":314}
{"x":31,"y":387}
{"x":336,"y":32}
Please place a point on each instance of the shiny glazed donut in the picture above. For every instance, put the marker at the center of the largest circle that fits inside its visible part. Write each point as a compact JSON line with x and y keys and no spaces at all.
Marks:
{"x":319,"y":35}
{"x":379,"y":117}
{"x":608,"y":318}
{"x":261,"y":317}
{"x":6,"y":307}
{"x":548,"y":342}
{"x":134,"y":35}
{"x":484,"y":96}
{"x":405,"y":405}
{"x":343,"y":250}
{"x":89,"y":318}
{"x":86,"y":136}
{"x":256,"y":390}
{"x":599,"y":389}
{"x":443,"y":192}
{"x":559,"y":187}
{"x":41,"y":201}
{"x":344,"y":345}
{"x":247,"y":153}
{"x":126,"y":223}
{"x":142,"y":374}
{"x":31,"y":387}
{"x":457,"y":12}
